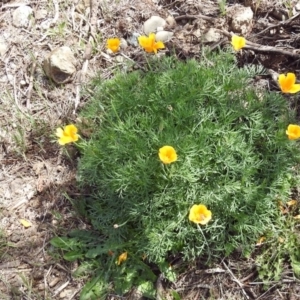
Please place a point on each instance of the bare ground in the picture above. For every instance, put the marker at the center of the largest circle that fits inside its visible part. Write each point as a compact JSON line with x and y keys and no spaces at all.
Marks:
{"x":35,"y":176}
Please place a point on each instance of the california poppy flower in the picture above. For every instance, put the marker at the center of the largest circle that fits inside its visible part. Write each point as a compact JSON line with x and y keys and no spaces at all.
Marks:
{"x":287,"y":83}
{"x":293,"y":132}
{"x":149,"y":44}
{"x":122,"y":258}
{"x":167,"y":154}
{"x":238,"y":42}
{"x":113,"y":44}
{"x":199,"y":214}
{"x":67,"y":135}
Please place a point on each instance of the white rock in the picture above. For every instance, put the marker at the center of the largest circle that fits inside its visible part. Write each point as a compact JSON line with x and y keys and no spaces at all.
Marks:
{"x":153,"y":23}
{"x":60,"y":65}
{"x":22,"y":15}
{"x":163,"y":36}
{"x":123,"y":44}
{"x":211,"y":36}
{"x":41,"y":14}
{"x":241,"y":19}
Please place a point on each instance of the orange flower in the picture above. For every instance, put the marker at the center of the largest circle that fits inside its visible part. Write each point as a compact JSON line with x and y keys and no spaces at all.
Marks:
{"x":67,"y":135}
{"x":113,"y":44}
{"x":149,"y":44}
{"x":293,"y":132}
{"x":167,"y":154}
{"x":287,"y":83}
{"x":238,"y":42}
{"x":122,"y":258}
{"x":199,"y":214}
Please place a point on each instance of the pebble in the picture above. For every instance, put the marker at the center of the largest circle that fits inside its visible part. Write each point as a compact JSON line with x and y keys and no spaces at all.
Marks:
{"x":21,"y":16}
{"x":60,"y":65}
{"x":41,"y":14}
{"x":153,"y":23}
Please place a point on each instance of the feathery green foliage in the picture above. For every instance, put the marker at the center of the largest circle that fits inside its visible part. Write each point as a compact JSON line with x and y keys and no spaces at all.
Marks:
{"x":233,"y":156}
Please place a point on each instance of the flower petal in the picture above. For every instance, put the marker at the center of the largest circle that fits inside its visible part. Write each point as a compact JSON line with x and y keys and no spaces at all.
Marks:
{"x":59,"y":132}
{"x":295,"y":88}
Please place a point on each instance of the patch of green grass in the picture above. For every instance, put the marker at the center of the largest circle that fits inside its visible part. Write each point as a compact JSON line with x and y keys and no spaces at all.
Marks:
{"x":233,"y":156}
{"x":285,"y":238}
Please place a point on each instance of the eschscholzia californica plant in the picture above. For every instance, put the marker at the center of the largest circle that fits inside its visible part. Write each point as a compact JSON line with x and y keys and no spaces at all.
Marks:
{"x":113,"y":44}
{"x":67,"y":135}
{"x":167,"y":154}
{"x":149,"y":44}
{"x":288,"y":84}
{"x":293,"y":132}
{"x":238,"y":42}
{"x":199,"y":214}
{"x":122,"y":258}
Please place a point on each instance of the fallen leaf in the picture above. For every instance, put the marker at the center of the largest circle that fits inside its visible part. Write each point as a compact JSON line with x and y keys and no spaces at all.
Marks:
{"x":291,"y":202}
{"x":25,"y":223}
{"x":283,"y":210}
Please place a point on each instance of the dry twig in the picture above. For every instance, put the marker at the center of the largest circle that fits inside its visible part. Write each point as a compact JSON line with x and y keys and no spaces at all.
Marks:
{"x":236,"y":280}
{"x":282,"y":23}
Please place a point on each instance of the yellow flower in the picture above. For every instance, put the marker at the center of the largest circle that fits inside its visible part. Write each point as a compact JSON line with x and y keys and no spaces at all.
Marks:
{"x":238,"y":42}
{"x":199,"y":214}
{"x":293,"y":132}
{"x":149,"y":44}
{"x":287,"y":83}
{"x":113,"y":44}
{"x":122,"y":258}
{"x":67,"y":135}
{"x":167,"y":154}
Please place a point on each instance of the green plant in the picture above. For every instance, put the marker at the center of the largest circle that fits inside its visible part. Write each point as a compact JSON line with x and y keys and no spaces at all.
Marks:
{"x":222,"y":7}
{"x":233,"y":156}
{"x":285,"y":239}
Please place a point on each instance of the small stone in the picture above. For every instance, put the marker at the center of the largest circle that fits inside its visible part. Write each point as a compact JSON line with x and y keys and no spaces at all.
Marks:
{"x":153,"y":23}
{"x":41,"y":286}
{"x":60,"y":65}
{"x":41,"y":14}
{"x":124,"y":44}
{"x":22,"y":82}
{"x":241,"y":19}
{"x":54,"y":282}
{"x":22,"y":15}
{"x":211,"y":36}
{"x":163,"y":36}
{"x":54,"y":222}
